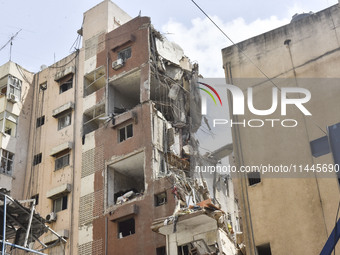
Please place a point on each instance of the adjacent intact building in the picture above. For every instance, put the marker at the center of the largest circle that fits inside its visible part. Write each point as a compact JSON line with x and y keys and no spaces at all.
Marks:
{"x":296,"y":213}
{"x":15,"y":107}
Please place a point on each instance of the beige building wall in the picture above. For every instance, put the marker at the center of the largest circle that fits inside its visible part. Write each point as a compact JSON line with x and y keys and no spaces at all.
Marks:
{"x":14,"y":127}
{"x":43,"y":179}
{"x":51,"y":184}
{"x":294,"y":215}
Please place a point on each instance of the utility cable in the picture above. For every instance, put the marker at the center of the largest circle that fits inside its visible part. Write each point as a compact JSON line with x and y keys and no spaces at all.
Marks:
{"x":77,"y":52}
{"x":238,"y":47}
{"x":250,"y":60}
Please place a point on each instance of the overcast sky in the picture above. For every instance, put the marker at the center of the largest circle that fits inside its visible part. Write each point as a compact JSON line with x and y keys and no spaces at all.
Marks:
{"x":49,"y":27}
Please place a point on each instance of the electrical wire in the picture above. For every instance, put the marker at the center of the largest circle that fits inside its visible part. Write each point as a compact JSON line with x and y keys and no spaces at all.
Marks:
{"x":262,"y":72}
{"x":22,"y":73}
{"x":76,"y":44}
{"x":250,"y":60}
{"x":238,"y":47}
{"x":56,"y":67}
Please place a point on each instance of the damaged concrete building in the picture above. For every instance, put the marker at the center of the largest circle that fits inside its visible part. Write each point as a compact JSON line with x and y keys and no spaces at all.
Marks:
{"x":110,"y":137}
{"x":205,"y":220}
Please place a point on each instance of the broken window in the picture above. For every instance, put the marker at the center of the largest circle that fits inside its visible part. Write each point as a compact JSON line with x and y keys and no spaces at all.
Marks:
{"x":10,"y":125}
{"x":237,"y":225}
{"x":126,"y":227}
{"x":13,"y":89}
{"x":43,"y":86}
{"x":91,"y":118}
{"x":183,"y":249}
{"x":60,"y":204}
{"x":37,"y":159}
{"x":161,"y":251}
{"x":65,"y":83}
{"x":8,"y":131}
{"x":160,"y":161}
{"x":230,"y":221}
{"x":254,"y":178}
{"x":125,"y":179}
{"x":64,"y":120}
{"x":3,"y":86}
{"x":10,"y":86}
{"x":94,"y":81}
{"x":124,"y":54}
{"x":226,"y":181}
{"x":40,"y":121}
{"x":7,"y":159}
{"x":125,"y":133}
{"x":264,"y":249}
{"x":62,"y":161}
{"x":160,"y":199}
{"x":124,"y":92}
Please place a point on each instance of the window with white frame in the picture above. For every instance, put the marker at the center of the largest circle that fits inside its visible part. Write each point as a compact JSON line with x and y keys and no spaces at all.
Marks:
{"x":125,"y":133}
{"x":14,"y":88}
{"x":60,"y":204}
{"x":6,"y":165}
{"x":8,"y":123}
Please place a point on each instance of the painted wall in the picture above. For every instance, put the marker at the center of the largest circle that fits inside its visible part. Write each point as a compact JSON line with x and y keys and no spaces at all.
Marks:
{"x":295,"y":215}
{"x":17,"y":144}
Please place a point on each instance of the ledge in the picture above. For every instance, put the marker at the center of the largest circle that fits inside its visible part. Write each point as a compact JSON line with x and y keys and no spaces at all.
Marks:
{"x":123,"y":211}
{"x":60,"y":148}
{"x":52,"y":238}
{"x":63,"y":73}
{"x":124,"y":117}
{"x":58,"y":191}
{"x":61,"y":109}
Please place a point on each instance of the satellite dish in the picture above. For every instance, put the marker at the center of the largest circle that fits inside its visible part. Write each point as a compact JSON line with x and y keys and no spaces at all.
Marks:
{"x":42,"y":67}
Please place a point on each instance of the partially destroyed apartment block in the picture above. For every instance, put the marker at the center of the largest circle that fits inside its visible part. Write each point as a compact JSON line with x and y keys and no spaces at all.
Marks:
{"x":111,"y":147}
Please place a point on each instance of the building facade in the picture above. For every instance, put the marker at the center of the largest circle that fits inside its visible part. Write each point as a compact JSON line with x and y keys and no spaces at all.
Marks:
{"x":104,"y":141}
{"x":15,"y":114}
{"x":282,"y":213}
{"x":110,"y":125}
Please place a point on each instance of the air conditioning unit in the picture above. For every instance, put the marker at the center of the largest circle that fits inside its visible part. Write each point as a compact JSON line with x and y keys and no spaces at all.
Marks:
{"x":117,"y":64}
{"x":13,"y":98}
{"x":51,"y":217}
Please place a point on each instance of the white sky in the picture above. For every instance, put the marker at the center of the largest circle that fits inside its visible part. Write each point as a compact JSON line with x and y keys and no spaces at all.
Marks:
{"x":49,"y":27}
